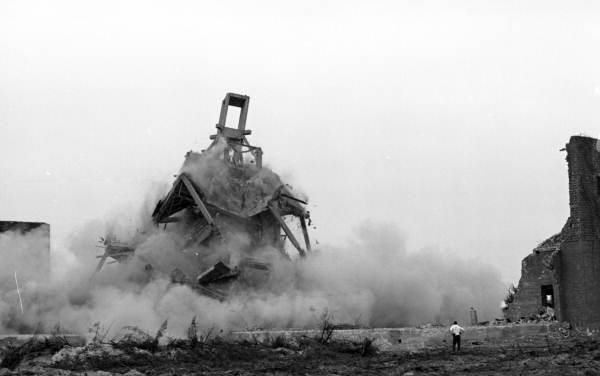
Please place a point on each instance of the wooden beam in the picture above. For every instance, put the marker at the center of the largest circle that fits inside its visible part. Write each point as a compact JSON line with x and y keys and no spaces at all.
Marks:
{"x":204,"y":233}
{"x":294,"y":198}
{"x":100,"y":265}
{"x":305,"y":232}
{"x":169,"y":220}
{"x":287,"y":230}
{"x":197,"y":200}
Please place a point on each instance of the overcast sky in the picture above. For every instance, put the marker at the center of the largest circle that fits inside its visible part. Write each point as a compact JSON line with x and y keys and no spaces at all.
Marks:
{"x":444,"y":117}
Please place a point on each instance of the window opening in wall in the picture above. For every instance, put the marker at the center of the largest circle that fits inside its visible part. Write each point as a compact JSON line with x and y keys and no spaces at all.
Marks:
{"x":233,"y":117}
{"x":547,"y":296}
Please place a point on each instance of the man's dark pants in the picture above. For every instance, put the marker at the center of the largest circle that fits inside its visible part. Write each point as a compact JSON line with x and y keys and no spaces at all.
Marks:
{"x":455,"y":342}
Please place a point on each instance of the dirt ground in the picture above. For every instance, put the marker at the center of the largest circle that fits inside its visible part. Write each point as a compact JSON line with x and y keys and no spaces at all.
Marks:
{"x":569,"y":353}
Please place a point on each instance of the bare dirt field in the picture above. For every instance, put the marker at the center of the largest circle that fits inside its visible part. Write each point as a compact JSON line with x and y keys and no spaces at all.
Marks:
{"x":561,"y":353}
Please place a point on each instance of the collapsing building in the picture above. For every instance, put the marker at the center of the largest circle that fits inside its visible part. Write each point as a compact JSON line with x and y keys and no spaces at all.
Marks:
{"x":563,"y":272}
{"x":225,"y":193}
{"x":239,"y":190}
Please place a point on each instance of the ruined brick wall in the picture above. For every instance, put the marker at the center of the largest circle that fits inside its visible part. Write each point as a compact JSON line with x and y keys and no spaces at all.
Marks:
{"x":24,"y":249}
{"x":537,"y":269}
{"x":580,"y":251}
{"x":575,"y":268}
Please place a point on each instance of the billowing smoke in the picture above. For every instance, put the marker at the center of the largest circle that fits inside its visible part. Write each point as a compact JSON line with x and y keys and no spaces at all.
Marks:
{"x":376,"y":279}
{"x":371,"y":281}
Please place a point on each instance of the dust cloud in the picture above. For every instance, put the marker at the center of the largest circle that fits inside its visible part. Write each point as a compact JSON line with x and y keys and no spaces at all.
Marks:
{"x":372,"y":281}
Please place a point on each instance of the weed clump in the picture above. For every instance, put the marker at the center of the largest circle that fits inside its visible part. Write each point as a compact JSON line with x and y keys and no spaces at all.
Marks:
{"x":136,"y":338}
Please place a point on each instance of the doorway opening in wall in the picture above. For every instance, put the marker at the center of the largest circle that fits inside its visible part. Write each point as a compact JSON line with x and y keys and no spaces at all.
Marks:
{"x":547,"y":296}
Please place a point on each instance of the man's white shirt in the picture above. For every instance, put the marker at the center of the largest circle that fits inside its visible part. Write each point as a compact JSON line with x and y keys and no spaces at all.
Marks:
{"x":456,"y":330}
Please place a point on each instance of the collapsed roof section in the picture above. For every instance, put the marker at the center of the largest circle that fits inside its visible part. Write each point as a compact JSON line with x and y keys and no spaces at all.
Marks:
{"x":227,"y":182}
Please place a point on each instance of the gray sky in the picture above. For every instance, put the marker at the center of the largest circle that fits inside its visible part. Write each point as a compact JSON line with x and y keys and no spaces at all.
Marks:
{"x":444,"y":117}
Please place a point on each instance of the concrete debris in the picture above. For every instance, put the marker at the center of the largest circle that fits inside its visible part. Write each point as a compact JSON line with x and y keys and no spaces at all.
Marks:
{"x":218,"y":273}
{"x":85,"y":353}
{"x":134,"y":372}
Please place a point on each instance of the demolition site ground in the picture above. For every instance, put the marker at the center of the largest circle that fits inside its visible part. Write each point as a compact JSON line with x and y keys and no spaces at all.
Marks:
{"x":559,"y":352}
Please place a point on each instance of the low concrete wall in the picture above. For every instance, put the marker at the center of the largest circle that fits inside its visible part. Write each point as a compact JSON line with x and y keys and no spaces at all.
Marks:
{"x":410,"y":339}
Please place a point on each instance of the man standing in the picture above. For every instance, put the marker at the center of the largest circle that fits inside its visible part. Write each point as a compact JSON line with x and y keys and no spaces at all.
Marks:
{"x":456,"y":330}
